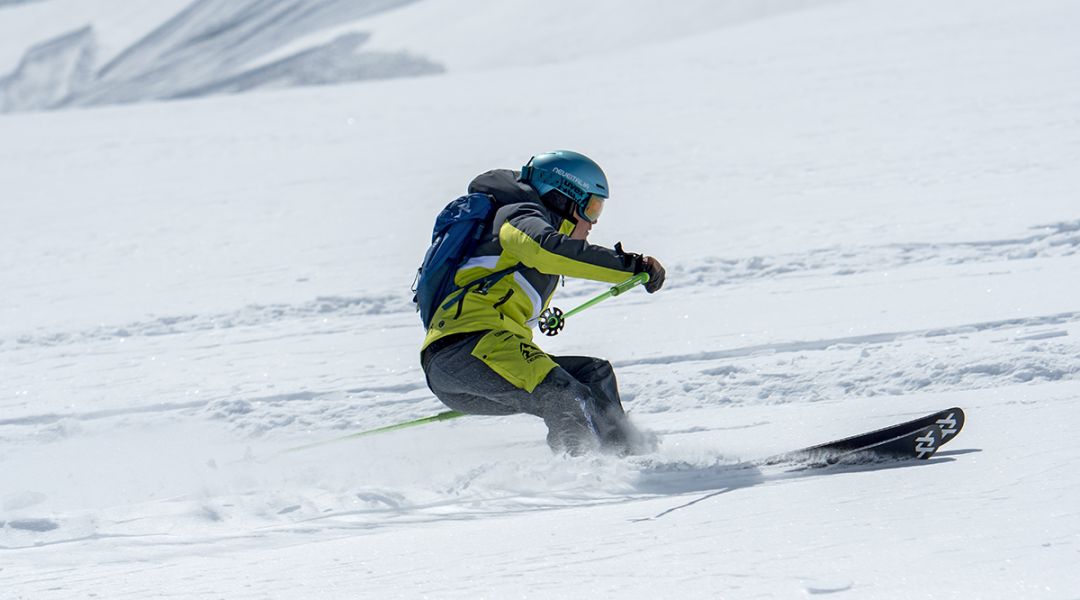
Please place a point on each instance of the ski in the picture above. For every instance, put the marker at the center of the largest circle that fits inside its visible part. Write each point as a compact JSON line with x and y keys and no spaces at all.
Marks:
{"x":915,"y":439}
{"x":950,"y":420}
{"x":920,"y":444}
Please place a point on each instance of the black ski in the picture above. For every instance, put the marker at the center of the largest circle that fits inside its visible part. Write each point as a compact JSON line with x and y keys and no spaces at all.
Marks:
{"x":919,"y":444}
{"x":915,"y":439}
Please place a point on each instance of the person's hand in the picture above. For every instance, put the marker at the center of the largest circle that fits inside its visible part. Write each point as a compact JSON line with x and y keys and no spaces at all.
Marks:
{"x":656,"y":273}
{"x":644,"y":264}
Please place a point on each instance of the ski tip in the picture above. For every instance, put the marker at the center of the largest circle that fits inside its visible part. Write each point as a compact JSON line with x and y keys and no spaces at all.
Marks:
{"x":951,"y":421}
{"x":928,"y":441}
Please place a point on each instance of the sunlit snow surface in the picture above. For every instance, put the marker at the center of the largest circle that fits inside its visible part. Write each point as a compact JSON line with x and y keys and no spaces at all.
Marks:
{"x":868,"y":211}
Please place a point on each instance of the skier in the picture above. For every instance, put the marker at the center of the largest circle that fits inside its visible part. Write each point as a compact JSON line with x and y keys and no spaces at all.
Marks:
{"x":478,"y":355}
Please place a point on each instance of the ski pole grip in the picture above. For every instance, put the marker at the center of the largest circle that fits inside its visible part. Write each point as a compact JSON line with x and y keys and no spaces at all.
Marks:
{"x":633,"y":282}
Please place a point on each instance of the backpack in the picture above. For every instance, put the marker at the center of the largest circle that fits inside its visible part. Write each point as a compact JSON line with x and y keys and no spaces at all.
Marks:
{"x":458,"y":229}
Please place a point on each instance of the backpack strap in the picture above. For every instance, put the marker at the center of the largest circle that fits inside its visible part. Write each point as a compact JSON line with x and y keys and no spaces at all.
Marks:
{"x":480,"y":286}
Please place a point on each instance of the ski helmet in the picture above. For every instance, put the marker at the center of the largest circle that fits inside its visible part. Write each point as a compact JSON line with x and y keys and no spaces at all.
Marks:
{"x":574,"y":175}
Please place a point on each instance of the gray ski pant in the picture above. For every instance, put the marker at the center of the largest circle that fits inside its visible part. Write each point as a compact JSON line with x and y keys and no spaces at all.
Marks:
{"x":578,"y":400}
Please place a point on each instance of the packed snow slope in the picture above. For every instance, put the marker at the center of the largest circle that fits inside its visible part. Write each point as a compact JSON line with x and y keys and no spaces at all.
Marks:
{"x":868,"y":211}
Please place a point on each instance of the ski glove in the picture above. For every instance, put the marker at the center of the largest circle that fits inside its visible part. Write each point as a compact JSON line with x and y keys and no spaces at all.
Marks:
{"x":645,"y":264}
{"x":656,"y":273}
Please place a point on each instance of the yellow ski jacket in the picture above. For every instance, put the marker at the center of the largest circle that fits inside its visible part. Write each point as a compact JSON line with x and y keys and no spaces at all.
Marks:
{"x":524,"y":231}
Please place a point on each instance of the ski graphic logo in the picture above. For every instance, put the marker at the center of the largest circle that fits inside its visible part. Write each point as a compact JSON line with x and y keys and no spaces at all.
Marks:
{"x":948,"y":425}
{"x":531,"y":353}
{"x":925,"y":445}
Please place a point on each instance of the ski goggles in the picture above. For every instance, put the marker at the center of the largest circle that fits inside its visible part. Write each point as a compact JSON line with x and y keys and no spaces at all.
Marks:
{"x":591,"y":208}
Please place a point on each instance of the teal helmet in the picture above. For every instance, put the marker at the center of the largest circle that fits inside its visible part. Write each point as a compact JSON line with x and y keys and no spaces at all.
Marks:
{"x":574,"y":175}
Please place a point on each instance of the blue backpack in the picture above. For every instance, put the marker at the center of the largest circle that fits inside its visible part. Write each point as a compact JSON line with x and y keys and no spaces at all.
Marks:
{"x":458,"y":229}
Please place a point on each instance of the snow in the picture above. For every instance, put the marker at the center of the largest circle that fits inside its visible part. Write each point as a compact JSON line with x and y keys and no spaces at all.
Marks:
{"x":867,"y":210}
{"x":477,"y":35}
{"x":200,"y":50}
{"x":117,"y":24}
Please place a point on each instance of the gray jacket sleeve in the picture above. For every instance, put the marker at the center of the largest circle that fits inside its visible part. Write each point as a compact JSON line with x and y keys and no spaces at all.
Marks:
{"x":527,"y":235}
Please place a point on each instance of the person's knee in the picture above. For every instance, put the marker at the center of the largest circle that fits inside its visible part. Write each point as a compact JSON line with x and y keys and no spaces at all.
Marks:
{"x":597,"y":370}
{"x":603,"y":367}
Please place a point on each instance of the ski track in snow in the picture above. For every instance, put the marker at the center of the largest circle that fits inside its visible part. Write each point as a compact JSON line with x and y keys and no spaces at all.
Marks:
{"x":248,"y":316}
{"x":1054,"y":240}
{"x":964,"y":356}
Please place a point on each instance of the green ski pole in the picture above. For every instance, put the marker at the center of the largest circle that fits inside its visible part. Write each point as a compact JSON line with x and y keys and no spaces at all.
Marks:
{"x":553,"y":319}
{"x":443,"y":416}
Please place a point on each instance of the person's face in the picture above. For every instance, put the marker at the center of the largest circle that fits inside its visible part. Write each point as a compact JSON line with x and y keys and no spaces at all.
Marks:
{"x":581,"y":230}
{"x":592,"y":209}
